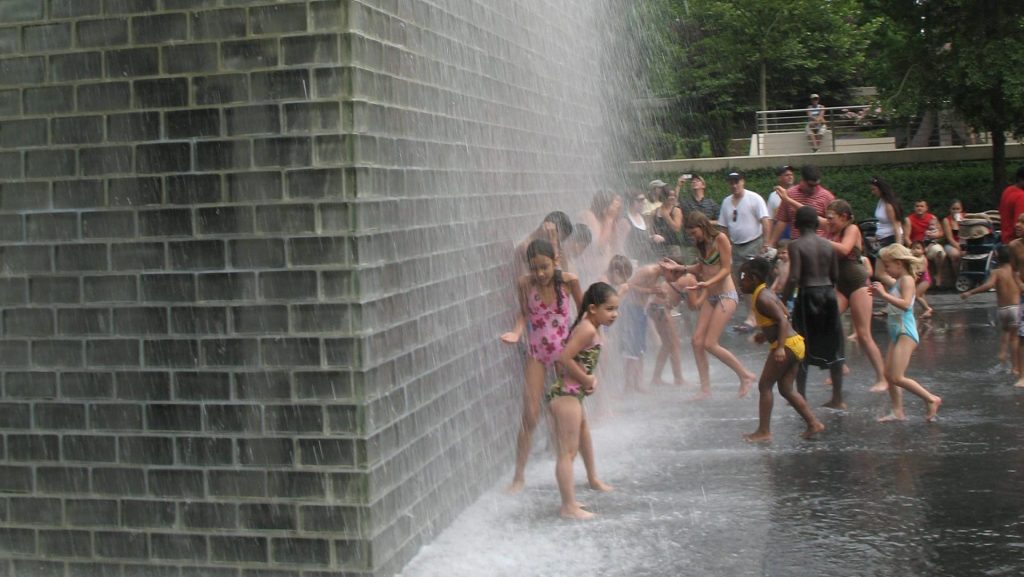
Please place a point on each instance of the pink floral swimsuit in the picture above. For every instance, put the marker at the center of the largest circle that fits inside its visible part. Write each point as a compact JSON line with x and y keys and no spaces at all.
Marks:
{"x":549,"y":327}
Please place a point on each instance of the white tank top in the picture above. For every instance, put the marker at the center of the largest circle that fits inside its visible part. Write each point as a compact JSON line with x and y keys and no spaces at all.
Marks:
{"x":884,"y":224}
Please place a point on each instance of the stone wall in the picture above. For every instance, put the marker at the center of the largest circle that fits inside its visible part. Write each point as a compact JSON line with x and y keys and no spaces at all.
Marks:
{"x":253,"y":266}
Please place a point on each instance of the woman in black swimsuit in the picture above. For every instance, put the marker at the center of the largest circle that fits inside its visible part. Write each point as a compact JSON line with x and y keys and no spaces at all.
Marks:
{"x":852,"y":285}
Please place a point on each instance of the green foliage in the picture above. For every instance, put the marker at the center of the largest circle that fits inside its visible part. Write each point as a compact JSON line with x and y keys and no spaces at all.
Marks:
{"x":710,"y":55}
{"x":963,"y":55}
{"x":938,"y":183}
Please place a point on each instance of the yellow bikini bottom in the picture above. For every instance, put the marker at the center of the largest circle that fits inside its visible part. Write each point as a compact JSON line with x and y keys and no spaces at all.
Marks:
{"x":794,"y":343}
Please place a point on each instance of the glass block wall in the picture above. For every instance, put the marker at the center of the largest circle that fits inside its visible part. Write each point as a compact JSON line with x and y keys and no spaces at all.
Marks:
{"x":254,"y":261}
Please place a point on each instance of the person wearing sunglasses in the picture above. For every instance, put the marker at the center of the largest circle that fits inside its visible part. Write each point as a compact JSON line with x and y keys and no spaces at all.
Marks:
{"x":691,"y":190}
{"x":746,"y":220}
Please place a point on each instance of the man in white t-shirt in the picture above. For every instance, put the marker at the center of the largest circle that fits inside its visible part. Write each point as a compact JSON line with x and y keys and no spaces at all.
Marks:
{"x":744,"y":216}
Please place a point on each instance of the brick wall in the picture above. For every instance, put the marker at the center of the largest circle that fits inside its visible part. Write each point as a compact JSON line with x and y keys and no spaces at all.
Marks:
{"x":253,"y":266}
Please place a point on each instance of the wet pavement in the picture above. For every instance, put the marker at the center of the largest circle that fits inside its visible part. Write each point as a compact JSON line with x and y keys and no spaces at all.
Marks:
{"x":692,"y":498}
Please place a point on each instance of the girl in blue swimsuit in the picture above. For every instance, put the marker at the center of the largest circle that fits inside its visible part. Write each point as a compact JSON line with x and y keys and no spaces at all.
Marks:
{"x":899,"y":268}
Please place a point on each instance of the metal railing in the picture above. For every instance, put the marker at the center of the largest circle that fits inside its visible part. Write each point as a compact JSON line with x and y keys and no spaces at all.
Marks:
{"x":840,"y":123}
{"x":857,"y":127}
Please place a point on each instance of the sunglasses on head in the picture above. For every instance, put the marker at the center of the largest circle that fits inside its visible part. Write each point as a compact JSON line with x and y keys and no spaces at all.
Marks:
{"x":734,"y":212}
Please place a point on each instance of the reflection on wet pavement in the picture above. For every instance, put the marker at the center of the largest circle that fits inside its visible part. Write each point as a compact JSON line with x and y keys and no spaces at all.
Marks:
{"x":692,"y":498}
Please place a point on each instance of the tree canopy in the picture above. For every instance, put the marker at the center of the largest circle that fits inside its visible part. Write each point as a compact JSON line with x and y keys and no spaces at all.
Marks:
{"x":720,"y":60}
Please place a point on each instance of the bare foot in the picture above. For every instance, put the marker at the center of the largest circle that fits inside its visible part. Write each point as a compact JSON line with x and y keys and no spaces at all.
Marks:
{"x":575,"y":513}
{"x":927,"y":314}
{"x":846,"y":371}
{"x":758,"y":437}
{"x":933,"y":408}
{"x":516,"y":486}
{"x":745,"y":384}
{"x":852,"y":338}
{"x":813,"y":429}
{"x":837,"y":405}
{"x":892,"y":417}
{"x":599,"y":485}
{"x":701,"y":395}
{"x":1019,"y":384}
{"x":641,"y":389}
{"x":879,"y":387}
{"x":682,"y":383}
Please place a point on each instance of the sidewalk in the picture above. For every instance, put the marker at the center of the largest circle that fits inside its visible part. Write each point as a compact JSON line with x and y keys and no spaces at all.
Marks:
{"x":692,"y":498}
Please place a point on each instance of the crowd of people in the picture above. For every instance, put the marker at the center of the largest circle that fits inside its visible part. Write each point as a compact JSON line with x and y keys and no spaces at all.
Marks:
{"x":637,"y":267}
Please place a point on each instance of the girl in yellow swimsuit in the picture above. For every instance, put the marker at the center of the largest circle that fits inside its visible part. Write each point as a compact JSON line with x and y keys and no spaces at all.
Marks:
{"x":782,"y":363}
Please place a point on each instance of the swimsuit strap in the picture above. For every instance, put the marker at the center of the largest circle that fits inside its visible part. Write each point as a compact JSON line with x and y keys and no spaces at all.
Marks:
{"x":711,"y":259}
{"x":760,"y":319}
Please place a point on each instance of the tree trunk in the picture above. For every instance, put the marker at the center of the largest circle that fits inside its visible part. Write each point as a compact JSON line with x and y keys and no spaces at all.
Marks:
{"x":997,"y":128}
{"x":764,"y":85}
{"x":998,"y":135}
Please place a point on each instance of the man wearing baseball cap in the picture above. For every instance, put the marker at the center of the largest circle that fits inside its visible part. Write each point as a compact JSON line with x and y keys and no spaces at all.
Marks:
{"x":744,"y":216}
{"x":815,"y":122}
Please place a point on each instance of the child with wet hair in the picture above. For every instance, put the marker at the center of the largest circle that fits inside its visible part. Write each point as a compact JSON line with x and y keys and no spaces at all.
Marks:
{"x":573,"y":249}
{"x":1004,"y":280}
{"x":575,"y":380}
{"x":787,"y":350}
{"x":544,"y":294}
{"x":898,"y":291}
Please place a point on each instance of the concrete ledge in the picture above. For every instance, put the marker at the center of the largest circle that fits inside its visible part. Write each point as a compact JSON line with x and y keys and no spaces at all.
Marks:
{"x":899,"y":156}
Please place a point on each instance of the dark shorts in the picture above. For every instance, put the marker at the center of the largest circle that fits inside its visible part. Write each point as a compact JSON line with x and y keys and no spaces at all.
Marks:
{"x":633,"y":335}
{"x":816,"y":317}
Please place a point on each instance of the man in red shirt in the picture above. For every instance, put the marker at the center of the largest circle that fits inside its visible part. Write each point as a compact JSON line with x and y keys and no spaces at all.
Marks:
{"x":1011,"y":206}
{"x":808,"y":192}
{"x":922,"y":226}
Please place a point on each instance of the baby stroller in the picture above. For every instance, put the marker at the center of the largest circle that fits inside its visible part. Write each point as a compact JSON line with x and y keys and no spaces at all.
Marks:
{"x":979,"y":235}
{"x":869,"y":234}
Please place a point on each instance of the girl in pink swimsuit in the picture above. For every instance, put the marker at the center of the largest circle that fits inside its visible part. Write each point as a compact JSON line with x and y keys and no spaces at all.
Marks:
{"x":575,"y":381}
{"x":543,"y":302}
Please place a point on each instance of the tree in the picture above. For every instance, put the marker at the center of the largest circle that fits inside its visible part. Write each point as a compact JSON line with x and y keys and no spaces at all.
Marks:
{"x":728,"y":58}
{"x":963,"y":55}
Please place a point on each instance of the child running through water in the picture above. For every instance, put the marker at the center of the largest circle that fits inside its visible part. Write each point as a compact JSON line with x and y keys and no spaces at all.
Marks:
{"x":1007,"y":286}
{"x":575,"y":380}
{"x":900,"y":267}
{"x":787,"y":350}
{"x":544,"y":300}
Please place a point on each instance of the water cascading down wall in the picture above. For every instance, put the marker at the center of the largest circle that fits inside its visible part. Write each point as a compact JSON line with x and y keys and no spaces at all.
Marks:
{"x":253,"y":266}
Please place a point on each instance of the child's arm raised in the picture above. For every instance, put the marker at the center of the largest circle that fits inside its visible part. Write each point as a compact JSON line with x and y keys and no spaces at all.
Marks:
{"x":581,"y":336}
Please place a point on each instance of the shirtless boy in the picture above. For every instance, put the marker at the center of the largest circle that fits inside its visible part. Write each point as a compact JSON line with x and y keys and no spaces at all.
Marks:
{"x":814,"y":268}
{"x":1007,"y":285}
